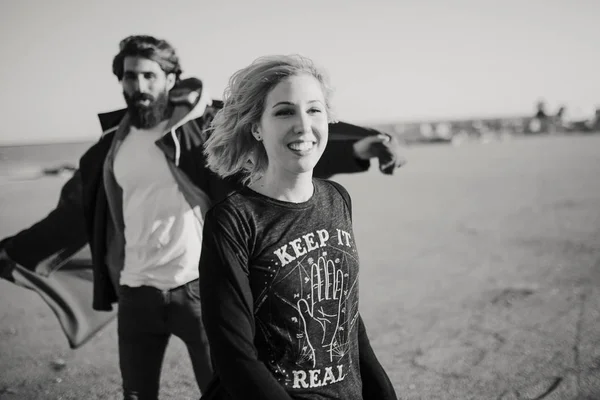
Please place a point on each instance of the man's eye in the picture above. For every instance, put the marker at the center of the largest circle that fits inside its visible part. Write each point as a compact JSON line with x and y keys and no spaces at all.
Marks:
{"x":149,"y":76}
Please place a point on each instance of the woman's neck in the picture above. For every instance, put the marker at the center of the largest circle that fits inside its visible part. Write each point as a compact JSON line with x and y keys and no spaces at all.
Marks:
{"x":294,"y":188}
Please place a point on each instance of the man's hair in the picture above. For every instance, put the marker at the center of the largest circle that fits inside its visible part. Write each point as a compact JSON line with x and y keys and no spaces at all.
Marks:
{"x":231,"y":149}
{"x":149,"y":47}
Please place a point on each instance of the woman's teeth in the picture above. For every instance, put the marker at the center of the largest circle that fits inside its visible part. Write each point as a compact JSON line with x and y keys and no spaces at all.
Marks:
{"x":301,"y":146}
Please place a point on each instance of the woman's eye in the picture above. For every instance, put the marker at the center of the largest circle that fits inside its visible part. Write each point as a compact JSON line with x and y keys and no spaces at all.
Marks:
{"x":314,"y":110}
{"x":284,"y":112}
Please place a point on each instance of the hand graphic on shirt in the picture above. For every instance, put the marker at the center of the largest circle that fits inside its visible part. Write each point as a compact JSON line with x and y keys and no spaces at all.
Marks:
{"x":323,"y":306}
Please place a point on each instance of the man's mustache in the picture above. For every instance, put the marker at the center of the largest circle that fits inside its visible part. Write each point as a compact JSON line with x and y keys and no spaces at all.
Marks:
{"x":138,"y":96}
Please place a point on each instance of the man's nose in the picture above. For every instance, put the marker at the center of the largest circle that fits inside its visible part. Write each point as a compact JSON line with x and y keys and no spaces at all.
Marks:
{"x":140,"y":84}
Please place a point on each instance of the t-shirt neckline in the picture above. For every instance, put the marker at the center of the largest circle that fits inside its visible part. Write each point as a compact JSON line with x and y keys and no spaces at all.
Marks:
{"x":282,"y":203}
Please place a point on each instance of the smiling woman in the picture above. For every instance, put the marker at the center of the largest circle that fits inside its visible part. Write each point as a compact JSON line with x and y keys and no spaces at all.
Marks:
{"x":279,"y":265}
{"x":234,"y":146}
{"x":293,"y":129}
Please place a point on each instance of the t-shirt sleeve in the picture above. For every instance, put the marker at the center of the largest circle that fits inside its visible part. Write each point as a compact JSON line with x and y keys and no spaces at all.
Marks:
{"x":228,"y":312}
{"x":375,"y":381}
{"x":345,"y":195}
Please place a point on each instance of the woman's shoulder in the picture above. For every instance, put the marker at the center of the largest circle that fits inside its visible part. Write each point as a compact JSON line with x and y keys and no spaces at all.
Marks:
{"x":231,"y":205}
{"x":328,"y":185}
{"x":240,"y":204}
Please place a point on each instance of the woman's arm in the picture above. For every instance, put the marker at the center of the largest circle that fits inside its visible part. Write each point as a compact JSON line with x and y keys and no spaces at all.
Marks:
{"x":375,"y":381}
{"x":227,"y":309}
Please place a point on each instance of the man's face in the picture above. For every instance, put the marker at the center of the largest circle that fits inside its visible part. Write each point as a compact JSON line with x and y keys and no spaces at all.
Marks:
{"x":146,"y":91}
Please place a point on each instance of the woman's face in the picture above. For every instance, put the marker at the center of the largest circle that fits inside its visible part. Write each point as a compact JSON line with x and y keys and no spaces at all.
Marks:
{"x":293,"y":126}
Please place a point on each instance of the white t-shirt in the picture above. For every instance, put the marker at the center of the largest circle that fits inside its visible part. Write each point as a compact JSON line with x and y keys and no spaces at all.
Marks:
{"x":163,"y":236}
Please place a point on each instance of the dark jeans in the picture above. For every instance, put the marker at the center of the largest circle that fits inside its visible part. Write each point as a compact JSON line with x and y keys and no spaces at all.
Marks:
{"x":147,"y":318}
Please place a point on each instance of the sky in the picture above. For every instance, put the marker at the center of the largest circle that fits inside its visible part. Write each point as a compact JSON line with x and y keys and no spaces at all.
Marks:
{"x":388,"y":60}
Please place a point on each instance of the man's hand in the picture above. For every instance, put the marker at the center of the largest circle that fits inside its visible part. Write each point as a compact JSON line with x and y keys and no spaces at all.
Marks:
{"x":7,"y":266}
{"x":385,"y":147}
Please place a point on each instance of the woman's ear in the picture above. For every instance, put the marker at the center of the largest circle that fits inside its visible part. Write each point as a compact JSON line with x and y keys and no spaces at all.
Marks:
{"x":256,"y":132}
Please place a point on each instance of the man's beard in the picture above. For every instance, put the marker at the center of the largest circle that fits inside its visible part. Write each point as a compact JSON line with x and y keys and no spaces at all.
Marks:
{"x":147,"y":116}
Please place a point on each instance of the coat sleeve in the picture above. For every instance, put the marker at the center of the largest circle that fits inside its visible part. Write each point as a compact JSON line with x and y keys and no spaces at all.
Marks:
{"x":339,"y":157}
{"x":61,"y":233}
{"x":227,"y":310}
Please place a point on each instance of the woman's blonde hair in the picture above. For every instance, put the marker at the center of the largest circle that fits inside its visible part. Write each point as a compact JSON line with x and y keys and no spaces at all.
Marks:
{"x":231,"y":149}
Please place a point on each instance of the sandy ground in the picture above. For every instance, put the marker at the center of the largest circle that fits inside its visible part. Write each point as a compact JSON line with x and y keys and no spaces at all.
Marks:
{"x":480,"y":280}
